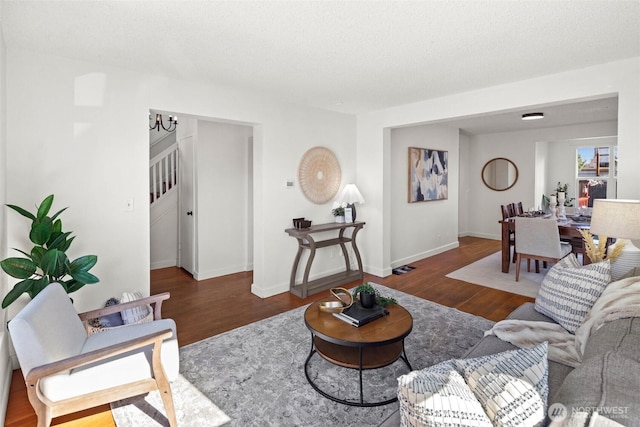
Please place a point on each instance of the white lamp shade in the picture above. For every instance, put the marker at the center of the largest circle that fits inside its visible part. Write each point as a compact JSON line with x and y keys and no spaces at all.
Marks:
{"x":349,"y":195}
{"x":616,"y":218}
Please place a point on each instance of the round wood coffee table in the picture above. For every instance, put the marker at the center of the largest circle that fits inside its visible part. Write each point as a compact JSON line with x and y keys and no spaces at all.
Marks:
{"x":374,"y":345}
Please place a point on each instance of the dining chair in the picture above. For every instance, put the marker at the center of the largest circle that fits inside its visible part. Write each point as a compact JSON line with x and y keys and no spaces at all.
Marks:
{"x":504,"y":209}
{"x":538,"y":239}
{"x":66,"y":369}
{"x":519,"y":209}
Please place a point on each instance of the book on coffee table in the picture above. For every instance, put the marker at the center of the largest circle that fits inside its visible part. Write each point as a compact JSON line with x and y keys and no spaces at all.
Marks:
{"x":356,"y":315}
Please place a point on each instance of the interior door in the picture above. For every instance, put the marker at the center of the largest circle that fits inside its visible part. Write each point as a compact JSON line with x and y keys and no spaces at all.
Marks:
{"x":186,"y":212}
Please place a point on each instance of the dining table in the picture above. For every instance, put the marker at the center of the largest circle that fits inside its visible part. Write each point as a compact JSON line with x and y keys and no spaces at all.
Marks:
{"x":569,"y":229}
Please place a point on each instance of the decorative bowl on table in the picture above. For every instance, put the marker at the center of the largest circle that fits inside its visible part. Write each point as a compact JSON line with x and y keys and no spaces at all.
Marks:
{"x":301,"y":223}
{"x":343,"y":300}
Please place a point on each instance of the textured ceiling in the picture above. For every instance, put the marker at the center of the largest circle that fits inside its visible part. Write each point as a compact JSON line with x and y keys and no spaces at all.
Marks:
{"x":346,"y":56}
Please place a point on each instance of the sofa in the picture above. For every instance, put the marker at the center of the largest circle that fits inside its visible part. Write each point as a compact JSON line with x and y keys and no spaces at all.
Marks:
{"x":607,"y":381}
{"x":595,"y":319}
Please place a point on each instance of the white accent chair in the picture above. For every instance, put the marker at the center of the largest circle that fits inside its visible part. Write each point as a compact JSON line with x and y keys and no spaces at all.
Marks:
{"x":538,"y":239}
{"x":67,"y":370}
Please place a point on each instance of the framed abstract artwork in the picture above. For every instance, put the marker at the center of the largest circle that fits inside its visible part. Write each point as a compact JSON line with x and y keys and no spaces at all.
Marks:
{"x":428,"y":175}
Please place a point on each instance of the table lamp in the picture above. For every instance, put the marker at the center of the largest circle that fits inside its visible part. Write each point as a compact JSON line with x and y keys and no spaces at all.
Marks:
{"x":350,"y":195}
{"x":619,"y":219}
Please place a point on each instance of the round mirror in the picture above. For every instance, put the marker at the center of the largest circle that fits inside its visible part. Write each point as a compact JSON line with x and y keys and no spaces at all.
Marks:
{"x":500,"y":174}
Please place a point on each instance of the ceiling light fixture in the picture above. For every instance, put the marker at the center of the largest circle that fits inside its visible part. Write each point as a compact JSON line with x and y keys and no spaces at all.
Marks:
{"x":173,"y":122}
{"x":533,"y":116}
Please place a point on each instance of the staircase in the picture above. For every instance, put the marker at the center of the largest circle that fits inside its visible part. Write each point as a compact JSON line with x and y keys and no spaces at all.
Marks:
{"x":163,"y":174}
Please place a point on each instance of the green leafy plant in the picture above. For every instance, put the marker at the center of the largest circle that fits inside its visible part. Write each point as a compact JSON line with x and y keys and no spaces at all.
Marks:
{"x":339,"y":211}
{"x":563,"y":188}
{"x":560,"y":188}
{"x":367,"y":288}
{"x":47,"y":262}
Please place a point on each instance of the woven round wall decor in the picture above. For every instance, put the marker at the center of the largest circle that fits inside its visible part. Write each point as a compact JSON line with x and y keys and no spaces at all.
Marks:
{"x":319,"y":175}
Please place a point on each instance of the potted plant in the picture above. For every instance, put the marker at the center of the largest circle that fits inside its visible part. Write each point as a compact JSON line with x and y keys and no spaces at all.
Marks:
{"x":563,"y":188}
{"x":338,"y":213}
{"x":369,"y":296}
{"x":47,"y":261}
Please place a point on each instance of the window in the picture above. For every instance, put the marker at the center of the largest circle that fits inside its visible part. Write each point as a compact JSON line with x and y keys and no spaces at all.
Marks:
{"x":597,"y":173}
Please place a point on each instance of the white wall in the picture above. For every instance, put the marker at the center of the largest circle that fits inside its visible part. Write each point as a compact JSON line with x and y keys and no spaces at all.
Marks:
{"x":465,"y":179}
{"x":5,"y":364}
{"x":91,"y":117}
{"x":223,"y":192}
{"x":373,"y":140}
{"x":414,"y":226}
{"x":520,"y":147}
{"x":164,"y":231}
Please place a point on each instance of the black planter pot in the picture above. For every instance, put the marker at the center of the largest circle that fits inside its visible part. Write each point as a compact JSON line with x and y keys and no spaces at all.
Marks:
{"x":367,"y":300}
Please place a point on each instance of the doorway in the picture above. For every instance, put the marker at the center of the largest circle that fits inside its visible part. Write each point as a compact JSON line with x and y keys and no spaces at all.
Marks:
{"x":214,"y":210}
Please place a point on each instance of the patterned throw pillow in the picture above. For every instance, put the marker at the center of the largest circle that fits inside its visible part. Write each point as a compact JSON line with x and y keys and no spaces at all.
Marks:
{"x":569,"y":290}
{"x":113,"y":319}
{"x":512,"y":386}
{"x":438,"y":396}
{"x":135,"y":314}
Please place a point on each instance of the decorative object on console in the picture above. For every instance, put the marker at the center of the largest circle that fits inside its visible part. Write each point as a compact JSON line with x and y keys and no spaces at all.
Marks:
{"x":619,"y":219}
{"x":350,"y":195}
{"x":301,"y":223}
{"x":338,"y":212}
{"x":319,"y":175}
{"x":47,"y":261}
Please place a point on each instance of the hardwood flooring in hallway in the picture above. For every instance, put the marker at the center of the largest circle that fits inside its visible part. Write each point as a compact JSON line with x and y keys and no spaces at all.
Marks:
{"x":210,"y":307}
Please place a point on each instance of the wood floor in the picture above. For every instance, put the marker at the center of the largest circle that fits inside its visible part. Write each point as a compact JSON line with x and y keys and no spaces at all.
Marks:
{"x":209,"y":307}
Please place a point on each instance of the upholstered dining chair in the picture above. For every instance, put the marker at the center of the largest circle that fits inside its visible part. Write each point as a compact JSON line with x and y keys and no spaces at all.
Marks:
{"x":538,"y":239}
{"x":67,"y":370}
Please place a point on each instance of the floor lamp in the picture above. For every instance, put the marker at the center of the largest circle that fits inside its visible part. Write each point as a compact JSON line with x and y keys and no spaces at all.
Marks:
{"x":619,"y":219}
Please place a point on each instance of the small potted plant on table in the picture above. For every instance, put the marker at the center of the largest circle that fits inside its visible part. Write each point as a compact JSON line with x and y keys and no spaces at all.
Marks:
{"x":369,"y":296}
{"x":338,"y":213}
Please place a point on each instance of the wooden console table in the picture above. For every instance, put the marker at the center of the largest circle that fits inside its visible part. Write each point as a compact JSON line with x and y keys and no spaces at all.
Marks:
{"x":306,"y":241}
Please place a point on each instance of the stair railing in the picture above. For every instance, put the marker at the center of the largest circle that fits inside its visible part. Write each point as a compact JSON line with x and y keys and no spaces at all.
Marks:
{"x":163,"y":173}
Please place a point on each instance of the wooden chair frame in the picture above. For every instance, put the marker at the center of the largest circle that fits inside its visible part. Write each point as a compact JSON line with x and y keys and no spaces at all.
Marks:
{"x":46,"y":409}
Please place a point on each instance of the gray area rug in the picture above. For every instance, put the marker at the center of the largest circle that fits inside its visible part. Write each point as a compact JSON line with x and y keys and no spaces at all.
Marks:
{"x":255,"y":374}
{"x":488,"y":272}
{"x":192,"y":408}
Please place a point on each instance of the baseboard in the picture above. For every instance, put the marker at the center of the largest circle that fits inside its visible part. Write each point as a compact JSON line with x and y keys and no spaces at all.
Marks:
{"x":269,"y":291}
{"x":486,"y":236}
{"x":420,"y":256}
{"x":163,"y":264}
{"x":210,"y":274}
